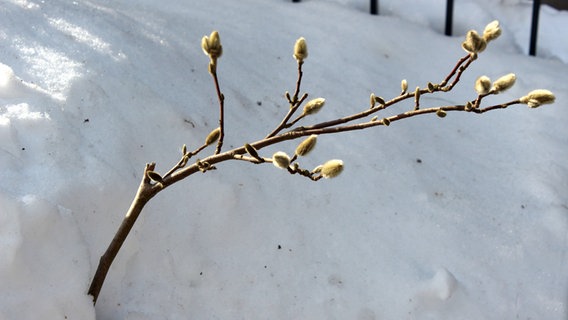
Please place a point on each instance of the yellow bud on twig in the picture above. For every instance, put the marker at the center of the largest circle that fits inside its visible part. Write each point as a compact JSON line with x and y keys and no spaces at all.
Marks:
{"x":307,"y":145}
{"x":403,"y":86}
{"x":281,"y":160}
{"x":473,"y":42}
{"x":212,"y":45}
{"x":300,"y":49}
{"x":482,"y":85}
{"x":504,"y":83}
{"x":492,"y":31}
{"x":313,"y":106}
{"x":332,"y":168}
{"x":538,"y":97}
{"x":213,"y":136}
{"x":205,"y":45}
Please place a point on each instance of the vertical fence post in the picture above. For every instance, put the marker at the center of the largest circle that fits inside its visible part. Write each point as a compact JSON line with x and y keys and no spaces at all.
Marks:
{"x":534,"y":27}
{"x":449,"y":16}
{"x":374,"y":7}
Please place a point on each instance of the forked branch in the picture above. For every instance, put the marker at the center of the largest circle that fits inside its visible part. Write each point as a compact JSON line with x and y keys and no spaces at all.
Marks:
{"x":152,"y":182}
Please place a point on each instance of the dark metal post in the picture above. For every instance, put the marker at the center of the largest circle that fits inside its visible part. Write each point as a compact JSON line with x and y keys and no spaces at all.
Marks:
{"x":449,"y":16}
{"x":534,"y":27}
{"x":374,"y":7}
{"x":295,"y":0}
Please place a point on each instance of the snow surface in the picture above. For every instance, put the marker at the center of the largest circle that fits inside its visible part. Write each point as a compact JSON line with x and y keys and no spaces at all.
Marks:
{"x":460,"y":218}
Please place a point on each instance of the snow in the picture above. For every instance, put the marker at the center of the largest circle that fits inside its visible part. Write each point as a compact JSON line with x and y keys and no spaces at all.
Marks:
{"x":464,"y":217}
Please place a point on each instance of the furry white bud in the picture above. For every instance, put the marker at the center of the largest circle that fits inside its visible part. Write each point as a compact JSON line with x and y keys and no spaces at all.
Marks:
{"x":331,"y":169}
{"x":213,"y":136}
{"x":473,"y":42}
{"x":212,"y":45}
{"x":492,"y":31}
{"x":300,"y":49}
{"x":504,"y":83}
{"x":313,"y":106}
{"x":482,"y":85}
{"x":281,"y":160}
{"x":536,"y":98}
{"x":307,"y":145}
{"x":404,"y":86}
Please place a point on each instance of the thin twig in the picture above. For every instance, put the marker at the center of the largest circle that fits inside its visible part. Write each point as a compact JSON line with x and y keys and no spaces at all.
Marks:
{"x":336,"y":129}
{"x":298,"y":81}
{"x":455,"y":69}
{"x":497,"y":106}
{"x":294,"y":103}
{"x":221,"y":99}
{"x":183,"y":161}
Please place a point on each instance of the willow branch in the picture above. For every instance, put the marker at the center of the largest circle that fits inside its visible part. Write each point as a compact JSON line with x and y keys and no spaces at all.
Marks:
{"x":152,"y":182}
{"x":147,"y":190}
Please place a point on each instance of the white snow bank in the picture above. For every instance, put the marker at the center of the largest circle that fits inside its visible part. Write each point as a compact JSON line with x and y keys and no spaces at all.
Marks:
{"x":464,"y":217}
{"x":42,"y":278}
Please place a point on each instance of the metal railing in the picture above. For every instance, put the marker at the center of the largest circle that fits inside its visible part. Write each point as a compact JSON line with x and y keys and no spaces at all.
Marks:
{"x":374,"y":9}
{"x":534,"y":22}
